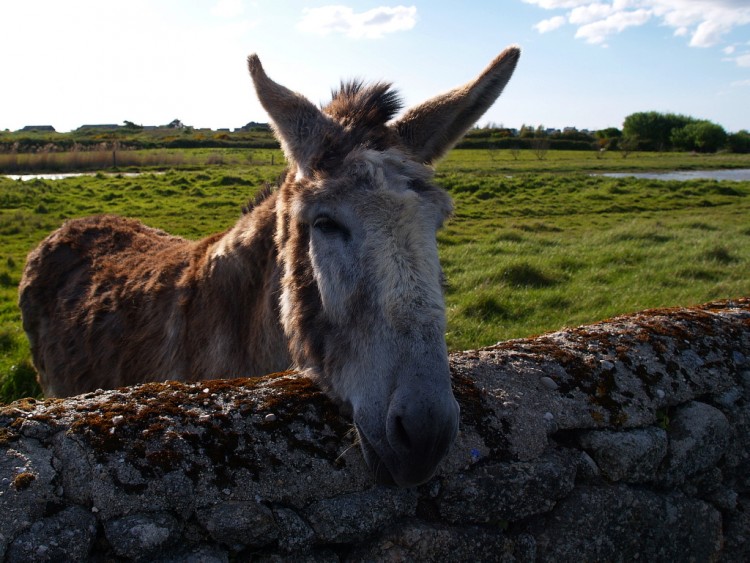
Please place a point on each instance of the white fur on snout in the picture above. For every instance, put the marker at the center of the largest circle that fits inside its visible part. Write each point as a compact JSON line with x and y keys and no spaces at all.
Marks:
{"x":332,"y":265}
{"x":407,"y":267}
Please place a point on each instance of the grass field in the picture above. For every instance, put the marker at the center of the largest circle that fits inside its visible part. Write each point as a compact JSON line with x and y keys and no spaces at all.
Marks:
{"x":535,"y":245}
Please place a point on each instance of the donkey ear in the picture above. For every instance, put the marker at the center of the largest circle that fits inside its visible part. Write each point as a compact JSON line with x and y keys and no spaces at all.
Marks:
{"x":298,"y":123}
{"x":432,"y":128}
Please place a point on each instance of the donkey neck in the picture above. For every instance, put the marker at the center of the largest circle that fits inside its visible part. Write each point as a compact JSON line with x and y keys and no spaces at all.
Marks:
{"x":242,"y":270}
{"x":251,"y":239}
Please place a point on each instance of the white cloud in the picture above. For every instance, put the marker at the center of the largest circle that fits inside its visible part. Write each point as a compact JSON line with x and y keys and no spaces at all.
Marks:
{"x":709,"y":32}
{"x":597,"y":31}
{"x":743,"y":60}
{"x":550,"y":25}
{"x":705,"y":22}
{"x":555,"y":4}
{"x":582,"y":15}
{"x":371,"y":24}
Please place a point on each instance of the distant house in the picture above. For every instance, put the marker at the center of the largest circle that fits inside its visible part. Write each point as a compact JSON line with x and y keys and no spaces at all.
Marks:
{"x":47,"y":128}
{"x":253,"y":126}
{"x":100,"y":127}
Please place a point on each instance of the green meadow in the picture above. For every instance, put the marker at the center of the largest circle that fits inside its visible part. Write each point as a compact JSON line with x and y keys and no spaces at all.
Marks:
{"x":535,"y":244}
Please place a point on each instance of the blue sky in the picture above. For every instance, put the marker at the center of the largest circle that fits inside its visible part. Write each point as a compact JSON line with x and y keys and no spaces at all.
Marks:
{"x":585,"y":63}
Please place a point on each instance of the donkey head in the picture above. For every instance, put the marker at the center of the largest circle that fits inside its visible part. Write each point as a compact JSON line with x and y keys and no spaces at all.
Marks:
{"x":357,"y":216}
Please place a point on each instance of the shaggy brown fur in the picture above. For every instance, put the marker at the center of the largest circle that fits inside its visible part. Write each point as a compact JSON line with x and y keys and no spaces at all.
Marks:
{"x":109,"y":302}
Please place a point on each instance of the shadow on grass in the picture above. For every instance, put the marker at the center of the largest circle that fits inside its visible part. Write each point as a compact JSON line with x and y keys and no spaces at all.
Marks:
{"x":719,"y":254}
{"x":643,"y":238}
{"x":526,"y":275}
{"x":488,"y":309}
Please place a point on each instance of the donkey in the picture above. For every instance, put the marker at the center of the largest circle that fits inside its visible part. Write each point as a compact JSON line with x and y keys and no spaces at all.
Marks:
{"x":335,"y":273}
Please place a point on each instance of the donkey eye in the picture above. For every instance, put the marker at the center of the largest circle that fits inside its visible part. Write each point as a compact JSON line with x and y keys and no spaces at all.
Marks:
{"x":328,"y":226}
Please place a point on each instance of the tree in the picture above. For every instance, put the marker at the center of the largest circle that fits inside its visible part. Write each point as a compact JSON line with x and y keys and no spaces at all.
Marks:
{"x":739,"y":142}
{"x":527,"y":132}
{"x":709,"y":137}
{"x":607,"y":138}
{"x":654,"y":129}
{"x":540,"y":147}
{"x":608,"y":133}
{"x":492,"y":151}
{"x":701,"y":136}
{"x":626,"y":145}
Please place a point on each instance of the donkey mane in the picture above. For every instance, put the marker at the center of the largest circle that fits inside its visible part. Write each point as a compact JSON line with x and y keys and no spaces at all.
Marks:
{"x":357,"y":105}
{"x":359,"y":115}
{"x":263,"y":194}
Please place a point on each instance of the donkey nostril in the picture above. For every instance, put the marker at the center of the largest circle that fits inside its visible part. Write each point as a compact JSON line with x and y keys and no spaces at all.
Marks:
{"x":401,"y":435}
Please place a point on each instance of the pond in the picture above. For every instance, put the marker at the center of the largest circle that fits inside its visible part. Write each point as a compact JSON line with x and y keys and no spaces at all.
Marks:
{"x":62,"y":176}
{"x":739,"y":175}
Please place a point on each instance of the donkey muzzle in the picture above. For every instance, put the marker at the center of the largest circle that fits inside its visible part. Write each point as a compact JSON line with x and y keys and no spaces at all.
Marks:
{"x":416,"y":435}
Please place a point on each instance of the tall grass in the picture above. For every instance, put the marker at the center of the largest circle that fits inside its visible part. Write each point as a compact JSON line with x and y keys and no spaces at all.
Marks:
{"x":106,"y":158}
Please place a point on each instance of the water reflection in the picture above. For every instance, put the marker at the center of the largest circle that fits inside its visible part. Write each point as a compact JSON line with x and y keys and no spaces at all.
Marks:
{"x":62,"y":176}
{"x":739,"y":175}
{"x":734,"y":175}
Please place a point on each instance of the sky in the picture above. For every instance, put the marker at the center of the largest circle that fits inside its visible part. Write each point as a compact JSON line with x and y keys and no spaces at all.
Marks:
{"x":584,"y":63}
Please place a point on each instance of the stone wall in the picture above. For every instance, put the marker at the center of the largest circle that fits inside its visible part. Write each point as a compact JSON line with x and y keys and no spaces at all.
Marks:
{"x":622,"y":440}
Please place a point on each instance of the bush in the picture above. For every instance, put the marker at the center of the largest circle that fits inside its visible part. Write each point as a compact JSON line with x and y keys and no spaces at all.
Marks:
{"x":700,"y":136}
{"x":739,"y":142}
{"x":514,"y":143}
{"x":654,"y":129}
